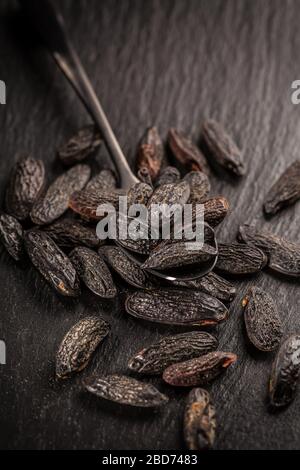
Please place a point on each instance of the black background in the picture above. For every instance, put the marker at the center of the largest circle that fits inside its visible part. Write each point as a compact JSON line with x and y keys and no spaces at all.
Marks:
{"x":172,"y":63}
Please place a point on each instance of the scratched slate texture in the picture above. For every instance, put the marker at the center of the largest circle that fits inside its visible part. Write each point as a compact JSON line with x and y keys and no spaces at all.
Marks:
{"x":172,"y":63}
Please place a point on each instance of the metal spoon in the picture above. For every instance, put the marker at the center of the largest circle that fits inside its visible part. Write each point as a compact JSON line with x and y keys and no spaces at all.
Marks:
{"x":50,"y":25}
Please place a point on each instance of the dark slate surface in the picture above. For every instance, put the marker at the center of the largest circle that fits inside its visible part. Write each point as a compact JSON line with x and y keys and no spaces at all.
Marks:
{"x":171,"y":63}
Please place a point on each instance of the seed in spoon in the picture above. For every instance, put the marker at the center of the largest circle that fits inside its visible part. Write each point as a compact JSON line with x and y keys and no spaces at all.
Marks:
{"x":139,"y":193}
{"x":168,"y":175}
{"x":177,"y":255}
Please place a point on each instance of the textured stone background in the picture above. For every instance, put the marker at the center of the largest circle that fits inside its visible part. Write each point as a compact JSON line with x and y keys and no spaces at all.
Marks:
{"x":172,"y":63}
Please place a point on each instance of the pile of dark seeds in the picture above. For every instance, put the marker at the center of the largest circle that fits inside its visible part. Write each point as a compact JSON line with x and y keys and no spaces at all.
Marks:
{"x":66,"y":252}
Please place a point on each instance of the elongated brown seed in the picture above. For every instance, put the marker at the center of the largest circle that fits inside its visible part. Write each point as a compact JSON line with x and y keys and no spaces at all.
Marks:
{"x":239,"y":259}
{"x":124,"y":266}
{"x":52,"y":263}
{"x":199,"y":425}
{"x":172,"y":193}
{"x":199,"y":371}
{"x":169,"y":174}
{"x":80,"y":145}
{"x":215,"y":210}
{"x":78,"y":345}
{"x":283,"y":255}
{"x":223,"y":151}
{"x":24,"y":187}
{"x":211,"y":284}
{"x":55,"y":201}
{"x":285,"y":373}
{"x":139,"y":193}
{"x":176,"y":307}
{"x":153,"y":359}
{"x":199,"y":184}
{"x":263,"y":324}
{"x":105,"y":180}
{"x":179,"y":254}
{"x":285,"y":191}
{"x":144,"y":176}
{"x":11,"y":235}
{"x":126,"y":391}
{"x":68,"y":233}
{"x":86,"y":203}
{"x":93,"y":271}
{"x":187,"y":153}
{"x":151,"y":152}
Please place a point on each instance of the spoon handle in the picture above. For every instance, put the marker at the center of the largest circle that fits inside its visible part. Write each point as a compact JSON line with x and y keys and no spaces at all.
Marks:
{"x":50,"y":25}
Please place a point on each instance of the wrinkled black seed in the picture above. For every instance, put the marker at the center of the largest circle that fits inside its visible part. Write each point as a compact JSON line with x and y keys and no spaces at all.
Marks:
{"x":153,"y":359}
{"x":199,"y":424}
{"x":124,"y":266}
{"x":24,"y":187}
{"x":200,"y":370}
{"x":68,"y":233}
{"x":11,"y":235}
{"x":262,"y":320}
{"x":168,"y":175}
{"x":285,"y":191}
{"x":200,"y":186}
{"x":105,"y":180}
{"x":55,"y":201}
{"x":151,"y":153}
{"x":179,"y":254}
{"x":176,"y":307}
{"x":240,"y":259}
{"x":211,"y":284}
{"x":52,"y":263}
{"x":126,"y":391}
{"x":187,"y":153}
{"x":285,"y":373}
{"x":86,"y":203}
{"x":283,"y":255}
{"x":80,"y":145}
{"x":93,"y":271}
{"x":223,"y":150}
{"x":79,"y":344}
